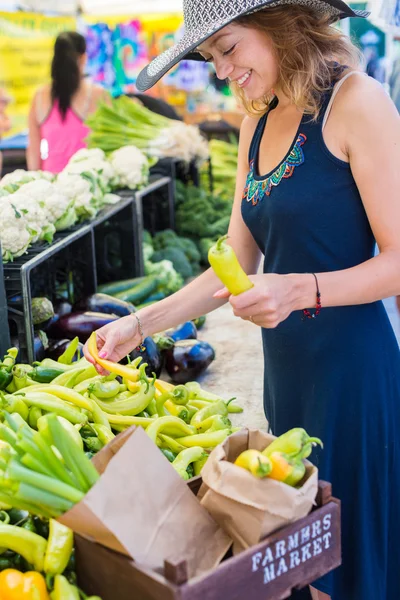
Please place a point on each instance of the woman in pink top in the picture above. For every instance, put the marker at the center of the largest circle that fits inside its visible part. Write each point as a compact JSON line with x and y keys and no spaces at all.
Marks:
{"x":59,"y":109}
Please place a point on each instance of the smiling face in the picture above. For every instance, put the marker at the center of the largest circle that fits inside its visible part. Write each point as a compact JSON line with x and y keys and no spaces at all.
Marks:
{"x":243,"y":55}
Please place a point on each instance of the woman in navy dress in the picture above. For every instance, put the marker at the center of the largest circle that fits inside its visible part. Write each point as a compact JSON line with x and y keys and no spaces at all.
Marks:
{"x":318,"y":185}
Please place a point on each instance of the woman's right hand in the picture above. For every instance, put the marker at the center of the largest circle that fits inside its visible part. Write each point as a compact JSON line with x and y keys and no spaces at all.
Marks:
{"x":115,"y":341}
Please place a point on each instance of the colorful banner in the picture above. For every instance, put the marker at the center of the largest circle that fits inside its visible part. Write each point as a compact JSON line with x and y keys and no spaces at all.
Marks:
{"x":26,"y":49}
{"x":119,"y":47}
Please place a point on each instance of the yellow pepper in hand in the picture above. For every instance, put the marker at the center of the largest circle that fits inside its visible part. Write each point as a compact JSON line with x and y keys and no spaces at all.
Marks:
{"x":227,"y":268}
{"x":15,"y":585}
{"x":255,"y":462}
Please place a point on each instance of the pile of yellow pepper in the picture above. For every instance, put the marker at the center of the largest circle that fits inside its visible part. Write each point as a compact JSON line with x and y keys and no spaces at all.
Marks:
{"x":283,"y":460}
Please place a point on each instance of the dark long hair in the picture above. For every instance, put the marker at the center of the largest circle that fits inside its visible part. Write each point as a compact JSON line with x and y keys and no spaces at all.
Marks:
{"x":65,"y":73}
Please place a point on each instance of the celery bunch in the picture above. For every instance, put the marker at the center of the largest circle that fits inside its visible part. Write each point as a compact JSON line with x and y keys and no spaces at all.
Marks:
{"x":127,"y":123}
{"x":224,"y":159}
{"x":43,"y":474}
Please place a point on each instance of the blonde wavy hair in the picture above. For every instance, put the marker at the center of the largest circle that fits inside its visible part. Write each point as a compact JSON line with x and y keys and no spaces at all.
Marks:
{"x":308,"y":49}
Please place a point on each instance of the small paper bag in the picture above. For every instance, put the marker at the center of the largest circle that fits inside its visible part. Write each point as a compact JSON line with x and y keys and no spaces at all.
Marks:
{"x":142,"y":508}
{"x":248,"y":508}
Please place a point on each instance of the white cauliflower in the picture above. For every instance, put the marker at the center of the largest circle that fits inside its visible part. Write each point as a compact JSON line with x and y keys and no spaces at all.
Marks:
{"x":14,"y":231}
{"x":58,"y":207}
{"x":81,"y":191}
{"x":92,"y":162}
{"x":88,"y":153}
{"x":35,"y":216}
{"x":180,"y":141}
{"x":13,"y":181}
{"x":131,"y":167}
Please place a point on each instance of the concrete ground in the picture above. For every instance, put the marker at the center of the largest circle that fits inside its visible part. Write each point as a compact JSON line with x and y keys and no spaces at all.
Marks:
{"x":238,"y":368}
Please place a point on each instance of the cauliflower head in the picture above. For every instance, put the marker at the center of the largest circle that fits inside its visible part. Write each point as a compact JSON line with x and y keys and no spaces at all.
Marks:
{"x":14,"y":231}
{"x":131,"y":167}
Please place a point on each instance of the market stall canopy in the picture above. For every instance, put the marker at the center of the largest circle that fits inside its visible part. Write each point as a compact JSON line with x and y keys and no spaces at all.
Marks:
{"x":128,"y":7}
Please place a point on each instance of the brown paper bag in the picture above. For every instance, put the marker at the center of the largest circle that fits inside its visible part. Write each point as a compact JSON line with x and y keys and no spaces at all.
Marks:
{"x":247,"y":508}
{"x":142,"y":508}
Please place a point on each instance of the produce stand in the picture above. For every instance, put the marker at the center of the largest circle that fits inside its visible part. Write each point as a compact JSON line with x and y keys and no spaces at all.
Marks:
{"x":289,"y":559}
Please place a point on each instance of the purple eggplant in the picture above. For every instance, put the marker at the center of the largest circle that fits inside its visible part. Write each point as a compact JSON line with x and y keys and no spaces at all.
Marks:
{"x":62,"y":307}
{"x":188,"y":359}
{"x":58,"y":347}
{"x":81,"y":324}
{"x":103,"y":303}
{"x":186,"y":331}
{"x":151,"y":355}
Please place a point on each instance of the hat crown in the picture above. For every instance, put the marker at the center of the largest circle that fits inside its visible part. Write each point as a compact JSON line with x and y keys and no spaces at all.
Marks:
{"x":209,"y":14}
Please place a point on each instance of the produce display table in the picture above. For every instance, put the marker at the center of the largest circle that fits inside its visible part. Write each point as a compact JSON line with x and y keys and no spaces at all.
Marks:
{"x":4,"y":330}
{"x":289,"y":559}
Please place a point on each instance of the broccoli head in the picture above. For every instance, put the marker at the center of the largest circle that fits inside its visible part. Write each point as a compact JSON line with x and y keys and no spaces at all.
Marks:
{"x":178,"y":259}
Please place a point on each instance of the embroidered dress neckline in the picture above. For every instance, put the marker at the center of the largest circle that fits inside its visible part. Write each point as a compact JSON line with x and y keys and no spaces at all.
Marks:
{"x":256,"y":171}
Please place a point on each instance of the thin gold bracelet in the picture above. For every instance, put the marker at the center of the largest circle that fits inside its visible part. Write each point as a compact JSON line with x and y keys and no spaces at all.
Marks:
{"x":141,"y":346}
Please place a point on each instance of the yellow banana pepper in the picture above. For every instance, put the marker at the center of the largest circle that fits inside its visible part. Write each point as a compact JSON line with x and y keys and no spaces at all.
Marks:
{"x":259,"y":465}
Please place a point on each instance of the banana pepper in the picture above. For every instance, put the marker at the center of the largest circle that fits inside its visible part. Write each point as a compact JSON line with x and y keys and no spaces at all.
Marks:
{"x":123,"y":370}
{"x":187,"y":457}
{"x":172,"y":425}
{"x":6,"y":368}
{"x":215,"y":408}
{"x":259,"y":465}
{"x":292,"y":443}
{"x":59,"y":548}
{"x":30,"y":545}
{"x":227,"y":268}
{"x":15,"y":585}
{"x":63,"y":590}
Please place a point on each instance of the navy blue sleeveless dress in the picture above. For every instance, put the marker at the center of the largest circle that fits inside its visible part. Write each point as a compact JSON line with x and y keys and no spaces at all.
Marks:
{"x":338,"y":376}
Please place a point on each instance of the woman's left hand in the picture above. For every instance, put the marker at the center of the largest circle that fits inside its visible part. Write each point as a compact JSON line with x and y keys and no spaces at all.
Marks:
{"x":267,"y":304}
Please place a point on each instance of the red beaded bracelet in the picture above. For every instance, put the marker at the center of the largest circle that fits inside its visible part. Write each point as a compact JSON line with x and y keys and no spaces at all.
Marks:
{"x":306,"y":313}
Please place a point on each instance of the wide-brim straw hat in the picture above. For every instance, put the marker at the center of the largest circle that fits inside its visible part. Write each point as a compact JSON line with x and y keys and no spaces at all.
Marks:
{"x":203,"y":18}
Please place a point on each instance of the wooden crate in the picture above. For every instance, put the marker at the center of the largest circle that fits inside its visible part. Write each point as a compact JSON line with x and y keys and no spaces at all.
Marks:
{"x":290,"y":558}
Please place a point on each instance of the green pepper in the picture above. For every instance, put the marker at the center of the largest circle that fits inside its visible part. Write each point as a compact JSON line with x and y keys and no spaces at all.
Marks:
{"x":137,"y":402}
{"x":14,"y":404}
{"x":7,"y":562}
{"x":63,"y":590}
{"x":42,"y":526}
{"x":30,"y":545}
{"x":17,"y":516}
{"x":214,"y":423}
{"x":34,"y":415}
{"x":21,"y":376}
{"x":44,"y":374}
{"x":59,"y":548}
{"x":190,"y":471}
{"x":199,"y":464}
{"x":292,"y":443}
{"x":104,"y":434}
{"x":171,"y":444}
{"x":93,"y":444}
{"x":29,"y":525}
{"x":185,"y":458}
{"x":171,"y":456}
{"x":152,"y":408}
{"x":68,"y":355}
{"x":6,"y":366}
{"x":5,"y":379}
{"x":105,"y":389}
{"x":172,"y":423}
{"x":215,"y":408}
{"x":205,"y":440}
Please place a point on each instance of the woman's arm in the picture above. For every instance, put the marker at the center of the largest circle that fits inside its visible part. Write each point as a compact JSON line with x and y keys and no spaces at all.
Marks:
{"x":368,"y":126}
{"x":33,"y":157}
{"x":196,"y":299}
